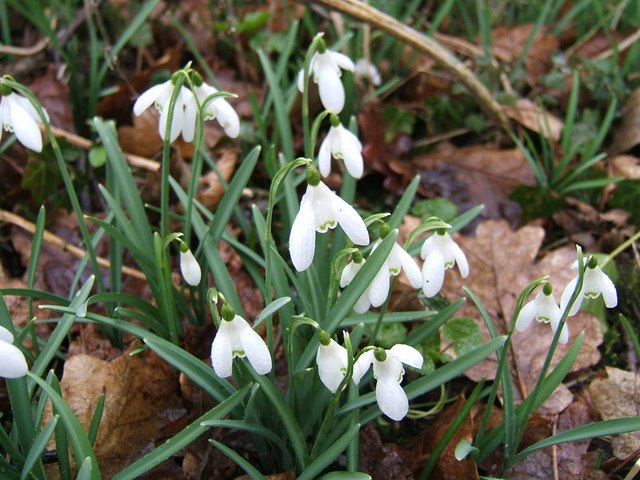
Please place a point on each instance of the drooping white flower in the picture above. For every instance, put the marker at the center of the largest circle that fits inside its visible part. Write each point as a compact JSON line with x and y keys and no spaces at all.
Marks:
{"x":440,"y":252}
{"x":366,"y":69}
{"x":184,"y":112}
{"x":236,"y":338}
{"x":12,"y":361}
{"x":332,"y":362}
{"x":398,"y":260}
{"x":341,"y":144}
{"x":377,"y":291}
{"x":189,"y":266}
{"x":594,"y":283}
{"x":219,"y":109}
{"x":17,"y":115}
{"x":320,"y":210}
{"x":545,"y":310}
{"x":388,"y":371}
{"x":325,"y":69}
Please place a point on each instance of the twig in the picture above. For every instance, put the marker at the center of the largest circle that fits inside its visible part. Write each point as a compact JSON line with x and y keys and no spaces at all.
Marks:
{"x":621,"y":47}
{"x":25,"y":51}
{"x":85,"y":143}
{"x":63,"y":245}
{"x":423,"y":44}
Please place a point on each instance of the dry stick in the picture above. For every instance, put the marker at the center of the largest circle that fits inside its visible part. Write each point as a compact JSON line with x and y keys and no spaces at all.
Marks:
{"x":85,"y":143}
{"x":63,"y":245}
{"x":25,"y":51}
{"x":423,"y":44}
{"x":622,"y":46}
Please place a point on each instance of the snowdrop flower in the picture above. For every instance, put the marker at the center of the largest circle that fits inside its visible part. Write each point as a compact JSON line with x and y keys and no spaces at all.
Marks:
{"x":325,"y":69}
{"x":320,"y":210}
{"x":388,"y":371}
{"x":332,"y":362}
{"x":341,"y":144}
{"x":184,"y":112}
{"x":398,"y":260}
{"x":236,"y":338}
{"x":12,"y":361}
{"x":189,"y":266}
{"x":376,"y":293}
{"x":440,"y":252}
{"x":17,"y":115}
{"x":366,"y":69}
{"x":544,"y":309}
{"x":217,"y":108}
{"x":594,"y":283}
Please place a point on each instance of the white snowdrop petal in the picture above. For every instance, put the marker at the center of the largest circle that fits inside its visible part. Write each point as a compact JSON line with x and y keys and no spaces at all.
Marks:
{"x":148,"y":98}
{"x":342,"y":61}
{"x":361,"y":366}
{"x":352,"y":156}
{"x":302,"y":239}
{"x":363,"y":304}
{"x":350,"y":221}
{"x":564,"y":334}
{"x":12,"y":361}
{"x":427,"y":246}
{"x":190,"y":268}
{"x":350,"y":272}
{"x":29,"y":108}
{"x":221,"y":354}
{"x":5,"y":335}
{"x":190,"y":119}
{"x":461,"y":259}
{"x":433,"y":274}
{"x":608,"y":289}
{"x":24,"y":126}
{"x":227,"y":117}
{"x":391,"y":398}
{"x":526,"y":316}
{"x":256,"y":350}
{"x":407,"y":355}
{"x":331,"y":91}
{"x":332,"y":365}
{"x":324,"y":158}
{"x":566,"y":296}
{"x":409,"y":266}
{"x":379,"y":287}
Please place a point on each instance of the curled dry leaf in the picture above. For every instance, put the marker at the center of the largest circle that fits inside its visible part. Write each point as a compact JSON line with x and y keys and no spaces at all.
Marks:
{"x":211,"y":188}
{"x":617,"y":396}
{"x":531,"y":116}
{"x":502,"y":263}
{"x":141,"y":400}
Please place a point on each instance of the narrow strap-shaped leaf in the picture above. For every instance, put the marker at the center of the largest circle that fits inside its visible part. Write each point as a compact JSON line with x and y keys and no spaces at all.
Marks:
{"x":327,"y":457}
{"x":38,"y":446}
{"x":252,"y":471}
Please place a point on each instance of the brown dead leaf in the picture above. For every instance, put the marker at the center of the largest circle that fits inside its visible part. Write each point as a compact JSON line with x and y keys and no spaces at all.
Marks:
{"x":141,"y":399}
{"x":626,"y":166}
{"x":507,"y":44}
{"x":448,"y":467}
{"x":477,"y":174}
{"x":618,"y":396}
{"x":627,"y":133}
{"x":571,"y":459}
{"x":54,"y":97}
{"x":381,"y":461}
{"x":502,"y":263}
{"x":531,"y":116}
{"x":211,"y":189}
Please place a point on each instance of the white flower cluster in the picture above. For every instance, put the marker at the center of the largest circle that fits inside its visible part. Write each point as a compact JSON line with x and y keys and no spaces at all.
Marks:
{"x":187,"y":107}
{"x":544,"y":308}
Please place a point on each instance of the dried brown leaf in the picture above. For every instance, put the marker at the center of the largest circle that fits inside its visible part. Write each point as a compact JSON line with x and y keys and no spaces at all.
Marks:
{"x":531,"y":116}
{"x":618,"y":396}
{"x":141,"y":399}
{"x":54,"y":96}
{"x":211,"y":189}
{"x":476,"y":174}
{"x":502,"y":263}
{"x":626,"y":166}
{"x":627,"y":134}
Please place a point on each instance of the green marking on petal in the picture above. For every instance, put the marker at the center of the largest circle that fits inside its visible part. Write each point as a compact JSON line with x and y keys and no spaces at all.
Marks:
{"x":238,"y":353}
{"x":592,"y":294}
{"x":450,"y":264}
{"x":327,"y":225}
{"x":543,"y":319}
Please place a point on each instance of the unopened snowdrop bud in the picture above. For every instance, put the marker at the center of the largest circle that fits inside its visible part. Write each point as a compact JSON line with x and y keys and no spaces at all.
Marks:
{"x":320,"y":210}
{"x":388,"y":371}
{"x":325,"y":69}
{"x":17,"y":115}
{"x":332,"y":361}
{"x":440,"y":252}
{"x":594,"y":283}
{"x":341,"y":144}
{"x":544,"y":309}
{"x":185,"y":110}
{"x":189,"y":266}
{"x":236,"y":338}
{"x":12,"y":361}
